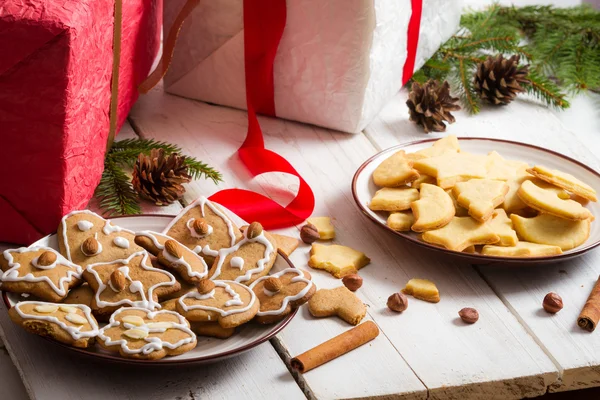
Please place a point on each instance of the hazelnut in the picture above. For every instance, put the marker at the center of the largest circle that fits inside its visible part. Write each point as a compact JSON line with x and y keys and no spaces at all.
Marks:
{"x":273,"y":284}
{"x":469,"y":315}
{"x":46,"y":258}
{"x":118,"y":280}
{"x":397,"y":302}
{"x":309,"y":234}
{"x":254,"y":230}
{"x":205,"y":286}
{"x":172,"y":248}
{"x":552,"y":303}
{"x":352,"y":282}
{"x":90,"y":246}
{"x":200,"y":226}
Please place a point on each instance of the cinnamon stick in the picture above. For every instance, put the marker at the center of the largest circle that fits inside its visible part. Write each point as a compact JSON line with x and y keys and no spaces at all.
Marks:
{"x":590,"y":315}
{"x":335,"y":347}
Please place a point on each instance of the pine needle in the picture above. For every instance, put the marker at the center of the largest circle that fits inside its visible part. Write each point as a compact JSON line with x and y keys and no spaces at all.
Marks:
{"x":115,"y":192}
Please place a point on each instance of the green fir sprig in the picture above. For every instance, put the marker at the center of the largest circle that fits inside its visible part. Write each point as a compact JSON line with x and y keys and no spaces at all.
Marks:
{"x":115,"y":192}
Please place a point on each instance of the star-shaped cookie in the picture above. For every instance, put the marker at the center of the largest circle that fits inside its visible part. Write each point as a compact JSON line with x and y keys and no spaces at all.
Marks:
{"x":451,"y":168}
{"x":461,"y":233}
{"x":501,"y":169}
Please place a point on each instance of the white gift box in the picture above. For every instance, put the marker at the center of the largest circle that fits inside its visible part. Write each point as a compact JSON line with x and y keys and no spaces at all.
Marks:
{"x":338,"y":63}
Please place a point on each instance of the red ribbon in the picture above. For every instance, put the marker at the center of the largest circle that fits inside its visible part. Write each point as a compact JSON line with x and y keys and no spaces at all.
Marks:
{"x":414,"y":26}
{"x":264,"y":22}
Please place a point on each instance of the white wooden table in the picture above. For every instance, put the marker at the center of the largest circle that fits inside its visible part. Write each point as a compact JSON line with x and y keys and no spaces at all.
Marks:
{"x":514,"y":351}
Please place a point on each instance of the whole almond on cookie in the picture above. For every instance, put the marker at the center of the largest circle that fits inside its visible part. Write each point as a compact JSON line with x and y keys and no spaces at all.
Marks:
{"x":254,"y":230}
{"x":46,"y":258}
{"x":90,"y":246}
{"x":118,"y":280}
{"x":205,"y":286}
{"x":200,"y":226}
{"x":273,"y":284}
{"x":172,"y":248}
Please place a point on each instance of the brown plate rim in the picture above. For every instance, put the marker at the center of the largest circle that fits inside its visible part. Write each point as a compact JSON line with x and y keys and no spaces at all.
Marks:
{"x":478,"y":257}
{"x":167,"y":360}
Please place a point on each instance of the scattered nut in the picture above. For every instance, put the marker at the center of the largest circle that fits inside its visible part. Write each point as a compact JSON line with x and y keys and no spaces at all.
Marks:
{"x":552,"y":303}
{"x":172,"y":248}
{"x":273,"y":284}
{"x":254,"y":230}
{"x":200,"y":226}
{"x":205,"y":286}
{"x":469,"y":315}
{"x":397,"y":302}
{"x":352,"y":282}
{"x":309,"y":233}
{"x":90,"y":246}
{"x":46,"y":258}
{"x":118,"y":280}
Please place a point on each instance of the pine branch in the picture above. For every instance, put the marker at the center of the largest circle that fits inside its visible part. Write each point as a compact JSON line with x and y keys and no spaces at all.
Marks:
{"x":544,"y":89}
{"x":197,"y":169}
{"x":116,"y":193}
{"x":463,"y":85}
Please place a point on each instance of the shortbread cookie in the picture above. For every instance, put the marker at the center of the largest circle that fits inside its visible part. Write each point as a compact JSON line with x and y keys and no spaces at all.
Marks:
{"x":139,"y":333}
{"x":461,"y":233}
{"x":522,"y":249}
{"x":72,"y":324}
{"x":339,"y":301}
{"x":565,"y":181}
{"x":211,"y":329}
{"x":393,"y":199}
{"x":249,"y":259}
{"x":80,"y":295}
{"x":433,"y":210}
{"x":229,"y":303}
{"x":280,"y":293}
{"x":459,"y":211}
{"x":548,"y":202}
{"x":422,"y":289}
{"x":512,"y":202}
{"x":502,"y":169}
{"x":337,"y":260}
{"x":285,"y":244}
{"x":173,"y":255}
{"x":551,"y":230}
{"x":503,"y":227}
{"x":451,"y":168}
{"x":203,"y":227}
{"x":480,"y":196}
{"x":86,"y":238}
{"x":401,"y":221}
{"x":132,"y":282}
{"x":421,"y":180}
{"x":324,"y":227}
{"x":447,"y":144}
{"x":40,"y":271}
{"x":395,"y":171}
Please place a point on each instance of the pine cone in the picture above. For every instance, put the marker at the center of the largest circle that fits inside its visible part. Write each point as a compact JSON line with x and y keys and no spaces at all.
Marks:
{"x":158,"y":177}
{"x":430,"y":104}
{"x":498,"y":80}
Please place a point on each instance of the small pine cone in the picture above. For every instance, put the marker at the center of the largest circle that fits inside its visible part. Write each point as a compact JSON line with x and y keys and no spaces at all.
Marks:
{"x":430,"y":104}
{"x":159,"y":177}
{"x":498,"y":80}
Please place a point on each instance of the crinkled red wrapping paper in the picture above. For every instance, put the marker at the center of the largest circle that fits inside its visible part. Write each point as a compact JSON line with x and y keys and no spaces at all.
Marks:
{"x":55,"y":73}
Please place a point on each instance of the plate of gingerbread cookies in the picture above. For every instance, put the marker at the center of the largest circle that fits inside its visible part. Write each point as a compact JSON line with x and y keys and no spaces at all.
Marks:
{"x":197,"y":287}
{"x":484,"y":200}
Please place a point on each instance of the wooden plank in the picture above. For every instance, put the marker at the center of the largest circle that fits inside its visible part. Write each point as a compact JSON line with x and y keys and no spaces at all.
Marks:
{"x":496,"y":357}
{"x":577,"y":353}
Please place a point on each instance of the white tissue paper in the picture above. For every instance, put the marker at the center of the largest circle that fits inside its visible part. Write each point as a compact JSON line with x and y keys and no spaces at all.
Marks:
{"x":338,"y":63}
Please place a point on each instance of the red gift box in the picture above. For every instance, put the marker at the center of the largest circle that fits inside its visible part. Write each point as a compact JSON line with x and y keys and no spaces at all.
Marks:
{"x":56,"y":63}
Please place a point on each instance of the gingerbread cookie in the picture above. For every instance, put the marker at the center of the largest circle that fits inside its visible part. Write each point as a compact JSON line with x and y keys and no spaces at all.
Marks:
{"x":143,"y":334}
{"x":249,"y":259}
{"x":286,"y":244}
{"x":280,"y":293}
{"x":339,"y":301}
{"x":132,"y":282}
{"x":86,"y":238}
{"x":211,"y":329}
{"x":40,"y":271}
{"x":433,"y":210}
{"x":72,"y":324}
{"x":203,"y":227}
{"x":395,"y":170}
{"x":227,"y":302}
{"x":173,"y":255}
{"x":80,"y":295}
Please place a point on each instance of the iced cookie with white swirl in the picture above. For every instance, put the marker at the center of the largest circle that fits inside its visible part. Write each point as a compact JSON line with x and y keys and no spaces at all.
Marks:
{"x":72,"y":324}
{"x":86,"y":238}
{"x":132,"y":282}
{"x":249,"y":259}
{"x":173,"y":255}
{"x":205,"y":228}
{"x":144,"y":334}
{"x":228,"y":303}
{"x":40,"y":271}
{"x":281,"y":293}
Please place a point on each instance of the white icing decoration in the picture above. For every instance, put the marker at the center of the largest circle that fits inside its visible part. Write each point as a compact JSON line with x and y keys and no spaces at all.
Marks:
{"x":154,"y":343}
{"x":84,"y":225}
{"x":269,"y":293}
{"x":12,"y":273}
{"x":75,"y":332}
{"x":237,"y":262}
{"x":223,"y":253}
{"x":110,"y":228}
{"x":235,"y":299}
{"x":25,"y":295}
{"x":193,"y":231}
{"x":173,"y":260}
{"x":147,"y":300}
{"x":121,"y":242}
{"x":287,"y":299}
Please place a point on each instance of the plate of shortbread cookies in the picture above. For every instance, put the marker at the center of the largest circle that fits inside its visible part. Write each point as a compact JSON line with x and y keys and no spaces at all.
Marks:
{"x":486,"y":200}
{"x":196,"y":287}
